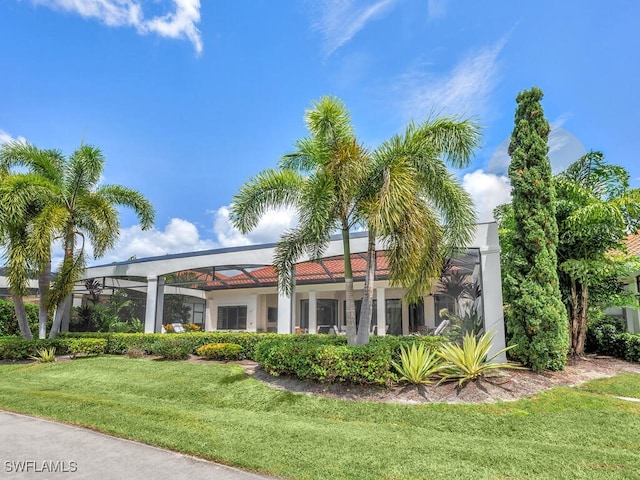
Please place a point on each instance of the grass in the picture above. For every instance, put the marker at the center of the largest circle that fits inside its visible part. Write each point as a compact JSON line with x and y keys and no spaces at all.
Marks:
{"x":217,"y":412}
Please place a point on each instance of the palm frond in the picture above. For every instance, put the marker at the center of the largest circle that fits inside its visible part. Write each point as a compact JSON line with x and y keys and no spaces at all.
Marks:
{"x":268,"y":190}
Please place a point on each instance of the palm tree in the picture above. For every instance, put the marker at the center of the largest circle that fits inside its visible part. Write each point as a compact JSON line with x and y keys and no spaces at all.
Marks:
{"x":415,"y":206}
{"x":70,"y":206}
{"x":22,"y":197}
{"x":320,"y":180}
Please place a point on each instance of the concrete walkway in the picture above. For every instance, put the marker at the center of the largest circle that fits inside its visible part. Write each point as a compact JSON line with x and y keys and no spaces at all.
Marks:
{"x":33,"y":448}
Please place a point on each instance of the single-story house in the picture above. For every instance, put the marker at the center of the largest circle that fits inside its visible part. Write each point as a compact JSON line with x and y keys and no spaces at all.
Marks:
{"x":235,"y":289}
{"x":630,"y":316}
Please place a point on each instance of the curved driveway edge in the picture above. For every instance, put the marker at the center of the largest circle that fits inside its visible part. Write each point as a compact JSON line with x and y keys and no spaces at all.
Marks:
{"x":34,"y":448}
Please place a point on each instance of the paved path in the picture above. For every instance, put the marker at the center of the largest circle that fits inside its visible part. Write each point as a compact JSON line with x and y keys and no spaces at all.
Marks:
{"x":34,"y":448}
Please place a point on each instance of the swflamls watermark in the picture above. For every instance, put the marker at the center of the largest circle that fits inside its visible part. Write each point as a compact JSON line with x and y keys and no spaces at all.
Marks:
{"x":40,"y":466}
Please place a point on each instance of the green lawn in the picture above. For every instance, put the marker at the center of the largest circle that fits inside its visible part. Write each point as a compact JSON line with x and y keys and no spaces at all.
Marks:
{"x":217,"y":412}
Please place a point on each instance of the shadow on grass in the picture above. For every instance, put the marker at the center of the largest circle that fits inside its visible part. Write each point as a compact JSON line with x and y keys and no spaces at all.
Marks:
{"x":230,"y":379}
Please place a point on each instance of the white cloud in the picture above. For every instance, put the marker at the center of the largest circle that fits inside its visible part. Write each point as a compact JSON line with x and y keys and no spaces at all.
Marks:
{"x":488,"y":191}
{"x":437,"y":9}
{"x":179,"y":23}
{"x":465,"y":90}
{"x":339,"y":20}
{"x":564,"y":149}
{"x":6,"y":138}
{"x":269,"y":230}
{"x":177,"y":237}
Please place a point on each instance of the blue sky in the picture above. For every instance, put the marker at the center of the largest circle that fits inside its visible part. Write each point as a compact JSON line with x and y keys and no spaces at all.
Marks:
{"x":188,"y":100}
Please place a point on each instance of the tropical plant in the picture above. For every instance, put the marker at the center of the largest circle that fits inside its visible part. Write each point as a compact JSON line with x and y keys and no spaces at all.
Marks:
{"x":402,"y":193}
{"x":596,"y":209}
{"x":59,"y":198}
{"x":415,"y":206}
{"x":468,"y":323}
{"x":537,"y":319}
{"x":45,"y":355}
{"x":471,"y":360}
{"x":417,"y":363}
{"x":320,"y":181}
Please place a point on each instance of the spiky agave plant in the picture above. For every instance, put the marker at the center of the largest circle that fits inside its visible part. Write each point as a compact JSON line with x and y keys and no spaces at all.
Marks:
{"x":45,"y":355}
{"x":471,"y":360}
{"x":417,"y":363}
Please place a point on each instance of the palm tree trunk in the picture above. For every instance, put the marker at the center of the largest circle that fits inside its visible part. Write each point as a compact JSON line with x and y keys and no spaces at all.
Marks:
{"x":44,"y":281}
{"x":350,"y":312}
{"x":67,"y":265}
{"x":366,"y":309}
{"x":21,"y":315}
{"x":61,"y":310}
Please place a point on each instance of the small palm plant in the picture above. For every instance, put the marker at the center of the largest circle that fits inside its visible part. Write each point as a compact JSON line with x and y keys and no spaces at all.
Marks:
{"x":45,"y":355}
{"x":417,"y":363}
{"x":471,"y":360}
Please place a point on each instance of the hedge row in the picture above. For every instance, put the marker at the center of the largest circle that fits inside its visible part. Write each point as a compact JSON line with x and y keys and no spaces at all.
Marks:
{"x":607,"y":337}
{"x":154,"y":343}
{"x":324,"y":358}
{"x":17,"y":348}
{"x":307,"y":358}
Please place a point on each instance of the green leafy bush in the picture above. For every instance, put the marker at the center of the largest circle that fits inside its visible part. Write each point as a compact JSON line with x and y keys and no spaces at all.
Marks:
{"x":471,"y":360}
{"x":118,"y":343}
{"x":220,"y":351}
{"x":87,"y":346}
{"x":307,"y":358}
{"x":9,"y":322}
{"x":607,"y":336}
{"x":135,"y":352}
{"x":417,"y":364}
{"x":18,"y":348}
{"x":171,"y":347}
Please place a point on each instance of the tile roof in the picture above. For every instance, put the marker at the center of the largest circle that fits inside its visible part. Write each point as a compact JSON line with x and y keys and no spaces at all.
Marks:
{"x":327,"y":270}
{"x":633,"y":244}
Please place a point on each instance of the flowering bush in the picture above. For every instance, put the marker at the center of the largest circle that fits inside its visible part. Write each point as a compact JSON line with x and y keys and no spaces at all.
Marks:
{"x":220,"y":351}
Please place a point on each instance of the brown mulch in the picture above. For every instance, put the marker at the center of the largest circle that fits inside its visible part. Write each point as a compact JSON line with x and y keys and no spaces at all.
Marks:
{"x":508,"y":385}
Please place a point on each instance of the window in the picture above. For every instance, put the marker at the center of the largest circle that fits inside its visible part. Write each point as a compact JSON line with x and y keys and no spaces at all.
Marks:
{"x":232,"y":317}
{"x":326,"y":316}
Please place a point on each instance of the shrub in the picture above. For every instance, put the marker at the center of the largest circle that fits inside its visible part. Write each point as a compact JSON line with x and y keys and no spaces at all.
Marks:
{"x":172,"y":348}
{"x":606,"y":336}
{"x":600,"y":334}
{"x":18,"y":348}
{"x":87,"y":346}
{"x":418,"y":363}
{"x":309,"y":359}
{"x":471,"y":360}
{"x":9,"y":322}
{"x":134,"y":352}
{"x":220,"y":351}
{"x":45,"y":355}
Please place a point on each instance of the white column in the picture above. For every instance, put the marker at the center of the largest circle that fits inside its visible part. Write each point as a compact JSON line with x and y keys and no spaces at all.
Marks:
{"x":492,"y":296}
{"x":252,"y":313}
{"x":208,"y":321}
{"x":381,"y":312}
{"x":284,"y":313}
{"x":159,"y":305}
{"x":405,"y":317}
{"x":152,"y":300}
{"x":313,"y":312}
{"x":430,"y":311}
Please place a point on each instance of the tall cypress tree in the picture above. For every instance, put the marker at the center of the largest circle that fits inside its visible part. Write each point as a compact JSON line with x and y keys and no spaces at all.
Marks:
{"x":537,"y":318}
